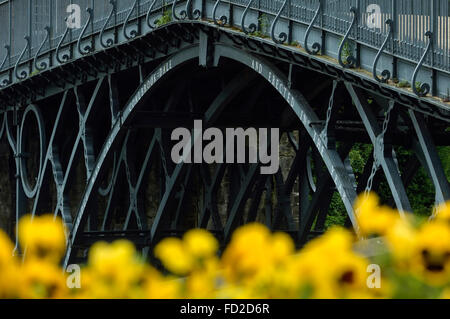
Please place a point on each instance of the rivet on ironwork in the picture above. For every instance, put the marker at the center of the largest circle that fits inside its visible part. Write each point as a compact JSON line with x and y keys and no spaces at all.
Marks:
{"x":88,"y":48}
{"x":22,"y":74}
{"x":282,"y":37}
{"x":149,"y":12}
{"x":385,"y":75}
{"x":252,"y":27}
{"x":190,"y":13}
{"x":133,"y":33}
{"x":223,"y":19}
{"x":108,"y":42}
{"x":43,"y":65}
{"x":177,"y":17}
{"x":65,"y":57}
{"x":424,"y":87}
{"x":351,"y":61}
{"x":316,"y":46}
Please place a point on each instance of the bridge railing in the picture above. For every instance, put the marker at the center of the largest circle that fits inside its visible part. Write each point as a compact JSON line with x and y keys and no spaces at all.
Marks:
{"x":412,"y":20}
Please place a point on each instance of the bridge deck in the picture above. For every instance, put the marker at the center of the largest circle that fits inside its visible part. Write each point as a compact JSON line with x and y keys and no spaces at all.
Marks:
{"x":401,"y":56}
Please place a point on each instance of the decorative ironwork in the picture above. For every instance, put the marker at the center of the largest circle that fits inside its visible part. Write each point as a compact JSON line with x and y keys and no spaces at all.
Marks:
{"x":8,"y":50}
{"x":149,"y":12}
{"x":24,"y":73}
{"x":7,"y":56}
{"x":386,"y":74}
{"x":109,"y":42}
{"x":190,"y":13}
{"x":43,"y":65}
{"x":133,"y":33}
{"x":88,"y":48}
{"x":424,"y":88}
{"x":66,"y":57}
{"x":223,"y":19}
{"x":183,"y":13}
{"x":351,"y":60}
{"x":282,"y":37}
{"x":252,"y":27}
{"x":316,"y":46}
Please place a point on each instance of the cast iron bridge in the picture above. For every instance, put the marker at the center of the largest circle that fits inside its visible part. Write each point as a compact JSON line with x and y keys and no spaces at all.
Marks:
{"x":87,"y":112}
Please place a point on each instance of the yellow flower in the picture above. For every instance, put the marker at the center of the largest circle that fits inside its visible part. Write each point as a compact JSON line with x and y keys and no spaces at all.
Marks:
{"x":114,"y":270}
{"x":174,"y":256}
{"x":247,"y":252}
{"x":400,"y":239}
{"x":200,"y":243}
{"x":432,"y":253}
{"x":157,"y":286}
{"x":42,"y":237}
{"x":6,"y":250}
{"x":443,"y":212}
{"x":373,"y":219}
{"x":282,"y":246}
{"x":42,"y":279}
{"x":331,"y":268}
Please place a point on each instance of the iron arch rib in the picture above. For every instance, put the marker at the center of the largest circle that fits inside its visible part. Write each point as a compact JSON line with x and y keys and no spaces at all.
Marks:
{"x":275,"y":77}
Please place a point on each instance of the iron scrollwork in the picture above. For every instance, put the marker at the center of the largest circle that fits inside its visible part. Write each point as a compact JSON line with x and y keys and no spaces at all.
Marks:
{"x":223,"y":19}
{"x":424,"y":88}
{"x":282,"y":37}
{"x":109,"y":42}
{"x":351,"y":60}
{"x":133,"y":33}
{"x":252,"y":27}
{"x":7,"y":56}
{"x":43,"y":65}
{"x":65,"y":57}
{"x":88,"y":48}
{"x":149,"y":12}
{"x":24,"y":73}
{"x":386,"y":74}
{"x":316,"y":46}
{"x":177,"y":17}
{"x":190,"y":13}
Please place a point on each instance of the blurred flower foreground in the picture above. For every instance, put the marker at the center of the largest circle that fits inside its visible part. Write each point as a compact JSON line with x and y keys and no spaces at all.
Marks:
{"x":255,"y":264}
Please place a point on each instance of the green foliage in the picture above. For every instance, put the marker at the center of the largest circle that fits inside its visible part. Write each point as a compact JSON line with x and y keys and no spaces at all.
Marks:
{"x":263,"y":28}
{"x":420,"y":191}
{"x":404,"y":84}
{"x":347,"y":50}
{"x":166,"y":18}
